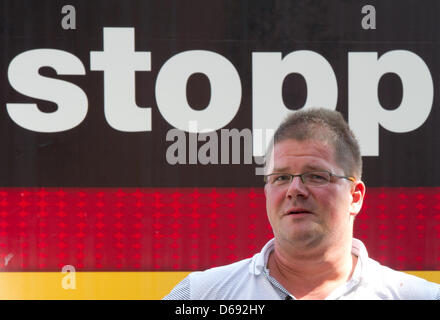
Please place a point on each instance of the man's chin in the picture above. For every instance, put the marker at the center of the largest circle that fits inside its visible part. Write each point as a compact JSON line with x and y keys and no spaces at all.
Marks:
{"x":304,"y":238}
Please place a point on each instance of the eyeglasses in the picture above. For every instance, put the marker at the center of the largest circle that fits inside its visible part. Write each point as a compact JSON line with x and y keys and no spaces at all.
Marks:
{"x":313,"y":178}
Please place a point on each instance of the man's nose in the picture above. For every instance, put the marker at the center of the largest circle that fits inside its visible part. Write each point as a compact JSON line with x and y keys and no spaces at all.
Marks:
{"x":296,"y":188}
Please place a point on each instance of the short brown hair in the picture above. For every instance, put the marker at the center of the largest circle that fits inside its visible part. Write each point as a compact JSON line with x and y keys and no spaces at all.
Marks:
{"x":328,"y":126}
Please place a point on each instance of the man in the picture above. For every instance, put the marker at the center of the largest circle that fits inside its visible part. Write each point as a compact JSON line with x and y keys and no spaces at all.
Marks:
{"x":313,"y":193}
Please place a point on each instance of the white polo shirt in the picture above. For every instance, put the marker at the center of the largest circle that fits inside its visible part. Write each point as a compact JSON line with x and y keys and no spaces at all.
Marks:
{"x":249,"y":279}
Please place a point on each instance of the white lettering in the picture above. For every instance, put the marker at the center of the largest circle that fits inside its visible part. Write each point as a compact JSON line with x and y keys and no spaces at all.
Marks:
{"x":119,"y":61}
{"x":269,"y":72}
{"x":365,"y":112}
{"x":71,"y":100}
{"x":171,"y":90}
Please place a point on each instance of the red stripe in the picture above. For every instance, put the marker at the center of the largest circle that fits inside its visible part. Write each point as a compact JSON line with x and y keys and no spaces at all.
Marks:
{"x":166,"y":229}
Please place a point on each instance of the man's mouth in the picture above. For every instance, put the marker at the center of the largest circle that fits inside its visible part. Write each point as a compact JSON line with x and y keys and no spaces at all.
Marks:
{"x":298,"y":211}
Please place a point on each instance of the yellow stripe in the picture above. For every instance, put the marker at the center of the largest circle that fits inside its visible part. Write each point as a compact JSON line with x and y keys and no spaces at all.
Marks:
{"x":433,"y":276}
{"x":104,"y":285}
{"x":89,"y":285}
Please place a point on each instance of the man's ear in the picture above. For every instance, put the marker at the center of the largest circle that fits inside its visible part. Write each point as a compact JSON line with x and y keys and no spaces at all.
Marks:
{"x":358,"y":194}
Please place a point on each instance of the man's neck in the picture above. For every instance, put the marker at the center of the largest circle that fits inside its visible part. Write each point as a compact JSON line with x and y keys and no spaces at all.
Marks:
{"x":314,"y":273}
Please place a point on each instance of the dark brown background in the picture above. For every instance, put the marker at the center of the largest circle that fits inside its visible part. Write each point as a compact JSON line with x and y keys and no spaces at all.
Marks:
{"x":95,"y":155}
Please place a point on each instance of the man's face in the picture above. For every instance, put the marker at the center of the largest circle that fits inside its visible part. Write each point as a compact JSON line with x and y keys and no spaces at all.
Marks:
{"x":305,"y":216}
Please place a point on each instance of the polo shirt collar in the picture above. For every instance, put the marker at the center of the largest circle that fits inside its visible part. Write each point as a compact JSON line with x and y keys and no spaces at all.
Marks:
{"x":259,"y":260}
